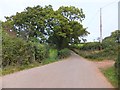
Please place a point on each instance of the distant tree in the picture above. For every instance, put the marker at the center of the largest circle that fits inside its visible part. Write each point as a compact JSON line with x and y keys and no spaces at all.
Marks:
{"x":111,"y":41}
{"x":116,"y":35}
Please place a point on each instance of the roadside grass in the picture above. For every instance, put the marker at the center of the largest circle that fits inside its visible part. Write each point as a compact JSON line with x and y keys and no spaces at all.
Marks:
{"x":110,"y":74}
{"x":12,"y":69}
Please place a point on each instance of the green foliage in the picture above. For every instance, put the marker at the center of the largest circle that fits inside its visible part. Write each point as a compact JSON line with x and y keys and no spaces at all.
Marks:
{"x":35,"y":28}
{"x":110,"y":73}
{"x":116,"y":34}
{"x":97,"y":55}
{"x":76,"y":46}
{"x":44,"y":25}
{"x":53,"y":54}
{"x":19,"y":54}
{"x":110,"y":42}
{"x":64,"y":53}
{"x":41,"y":52}
{"x":117,"y":65}
{"x":16,"y":51}
{"x":101,"y":55}
{"x":87,"y":46}
{"x":72,"y":13}
{"x":91,"y":46}
{"x":92,"y":50}
{"x":30,"y":24}
{"x":12,"y":69}
{"x":52,"y":57}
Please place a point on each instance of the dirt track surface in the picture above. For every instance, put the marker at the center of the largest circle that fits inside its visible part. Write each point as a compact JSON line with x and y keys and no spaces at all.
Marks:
{"x":74,"y":72}
{"x":105,"y":64}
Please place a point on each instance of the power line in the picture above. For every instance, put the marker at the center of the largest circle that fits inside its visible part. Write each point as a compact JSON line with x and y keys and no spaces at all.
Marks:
{"x":99,"y":10}
{"x":101,"y":19}
{"x":109,"y":4}
{"x":93,"y":18}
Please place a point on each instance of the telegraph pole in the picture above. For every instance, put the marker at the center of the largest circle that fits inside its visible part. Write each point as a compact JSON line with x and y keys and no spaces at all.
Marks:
{"x":100,"y":25}
{"x":118,"y":60}
{"x":100,"y":29}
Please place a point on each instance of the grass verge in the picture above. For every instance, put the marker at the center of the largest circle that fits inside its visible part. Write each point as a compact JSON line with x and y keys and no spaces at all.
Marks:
{"x":12,"y":69}
{"x":110,"y":74}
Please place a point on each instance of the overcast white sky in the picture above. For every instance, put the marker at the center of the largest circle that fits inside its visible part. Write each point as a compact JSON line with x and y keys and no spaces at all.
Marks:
{"x":91,"y":9}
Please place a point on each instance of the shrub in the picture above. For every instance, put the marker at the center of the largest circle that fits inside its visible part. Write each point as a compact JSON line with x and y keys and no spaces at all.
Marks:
{"x":91,"y":46}
{"x":52,"y":56}
{"x":41,"y":52}
{"x":16,"y":51}
{"x":64,"y":53}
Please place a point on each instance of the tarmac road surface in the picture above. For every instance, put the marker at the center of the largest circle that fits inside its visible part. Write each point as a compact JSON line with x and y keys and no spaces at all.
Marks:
{"x":73,"y":72}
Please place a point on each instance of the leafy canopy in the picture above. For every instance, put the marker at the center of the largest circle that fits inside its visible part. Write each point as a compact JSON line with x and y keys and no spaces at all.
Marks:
{"x":45,"y":25}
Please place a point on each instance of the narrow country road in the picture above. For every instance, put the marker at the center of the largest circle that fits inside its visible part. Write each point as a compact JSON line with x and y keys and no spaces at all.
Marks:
{"x":74,"y":72}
